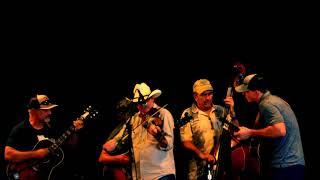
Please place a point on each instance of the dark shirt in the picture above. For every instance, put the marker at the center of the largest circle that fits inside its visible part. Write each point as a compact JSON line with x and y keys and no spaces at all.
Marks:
{"x":24,"y":137}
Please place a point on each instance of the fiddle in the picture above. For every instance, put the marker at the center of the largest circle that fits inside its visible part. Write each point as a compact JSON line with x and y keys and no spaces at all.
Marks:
{"x":153,"y":118}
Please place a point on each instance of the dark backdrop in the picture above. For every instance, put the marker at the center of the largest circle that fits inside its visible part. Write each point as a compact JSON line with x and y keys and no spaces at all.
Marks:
{"x":102,"y":84}
{"x":98,"y":65}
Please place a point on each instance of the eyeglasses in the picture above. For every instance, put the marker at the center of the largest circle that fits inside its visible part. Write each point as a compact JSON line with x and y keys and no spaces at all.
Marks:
{"x":46,"y":102}
{"x":210,"y":93}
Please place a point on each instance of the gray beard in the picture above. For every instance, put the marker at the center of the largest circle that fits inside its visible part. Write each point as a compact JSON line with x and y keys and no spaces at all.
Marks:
{"x":47,"y":121}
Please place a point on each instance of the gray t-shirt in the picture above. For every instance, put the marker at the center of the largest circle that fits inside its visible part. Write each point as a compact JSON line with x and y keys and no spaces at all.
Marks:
{"x":287,"y":150}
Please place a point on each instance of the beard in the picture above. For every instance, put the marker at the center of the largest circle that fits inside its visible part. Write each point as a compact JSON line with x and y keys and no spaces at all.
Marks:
{"x":206,"y":106}
{"x":47,"y":121}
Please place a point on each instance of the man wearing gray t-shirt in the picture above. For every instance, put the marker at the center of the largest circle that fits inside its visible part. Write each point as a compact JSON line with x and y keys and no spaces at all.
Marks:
{"x":279,"y":131}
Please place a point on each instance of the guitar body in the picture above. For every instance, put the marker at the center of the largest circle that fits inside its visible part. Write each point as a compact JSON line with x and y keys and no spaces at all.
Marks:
{"x":245,"y":161}
{"x":122,"y":147}
{"x":36,"y":169}
{"x":115,"y":172}
{"x":22,"y":171}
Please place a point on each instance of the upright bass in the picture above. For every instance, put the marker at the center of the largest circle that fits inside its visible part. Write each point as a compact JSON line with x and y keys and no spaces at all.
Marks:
{"x":235,"y":159}
{"x":225,"y":165}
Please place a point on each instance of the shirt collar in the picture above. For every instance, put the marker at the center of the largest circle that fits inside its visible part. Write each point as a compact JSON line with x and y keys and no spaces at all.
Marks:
{"x":266,"y":94}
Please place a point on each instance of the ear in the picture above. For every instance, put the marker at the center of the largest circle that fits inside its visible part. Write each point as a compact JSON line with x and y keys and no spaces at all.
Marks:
{"x":256,"y":93}
{"x":195,"y":96}
{"x":34,"y":103}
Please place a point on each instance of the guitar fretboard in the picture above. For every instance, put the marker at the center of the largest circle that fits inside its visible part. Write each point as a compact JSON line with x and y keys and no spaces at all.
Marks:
{"x":71,"y":130}
{"x":62,"y":139}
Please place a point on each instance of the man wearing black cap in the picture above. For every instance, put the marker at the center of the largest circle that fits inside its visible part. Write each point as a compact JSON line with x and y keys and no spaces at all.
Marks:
{"x":23,"y":138}
{"x":279,"y":130}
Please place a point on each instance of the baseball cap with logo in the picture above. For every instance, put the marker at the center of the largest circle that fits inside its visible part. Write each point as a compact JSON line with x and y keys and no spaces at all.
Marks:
{"x":40,"y":102}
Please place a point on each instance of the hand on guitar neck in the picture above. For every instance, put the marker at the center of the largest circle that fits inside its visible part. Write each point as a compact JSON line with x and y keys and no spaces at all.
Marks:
{"x":78,"y":124}
{"x":230,"y":104}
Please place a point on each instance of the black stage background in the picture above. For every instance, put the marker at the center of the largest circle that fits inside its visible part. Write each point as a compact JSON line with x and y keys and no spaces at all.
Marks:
{"x":98,"y":69}
{"x":102,"y":85}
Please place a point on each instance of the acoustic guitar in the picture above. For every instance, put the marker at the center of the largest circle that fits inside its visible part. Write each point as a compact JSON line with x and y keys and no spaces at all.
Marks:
{"x":36,"y":169}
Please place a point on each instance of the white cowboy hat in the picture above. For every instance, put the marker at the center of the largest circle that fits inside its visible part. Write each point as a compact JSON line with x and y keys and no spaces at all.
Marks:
{"x":145,"y":91}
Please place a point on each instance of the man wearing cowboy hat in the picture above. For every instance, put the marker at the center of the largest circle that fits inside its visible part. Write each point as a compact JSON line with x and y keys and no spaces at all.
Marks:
{"x":152,"y":145}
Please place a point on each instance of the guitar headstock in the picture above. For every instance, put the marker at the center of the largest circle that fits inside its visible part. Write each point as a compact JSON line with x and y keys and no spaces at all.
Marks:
{"x":89,"y":113}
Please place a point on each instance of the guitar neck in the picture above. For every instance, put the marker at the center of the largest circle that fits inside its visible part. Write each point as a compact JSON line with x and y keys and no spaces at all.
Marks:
{"x":65,"y":135}
{"x":62,"y":138}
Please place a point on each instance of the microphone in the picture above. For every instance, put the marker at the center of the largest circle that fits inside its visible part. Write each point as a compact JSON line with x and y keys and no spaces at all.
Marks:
{"x":187,"y":117}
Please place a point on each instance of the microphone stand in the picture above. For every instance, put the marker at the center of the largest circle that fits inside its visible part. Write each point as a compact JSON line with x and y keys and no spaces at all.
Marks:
{"x":130,"y":143}
{"x":130,"y":147}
